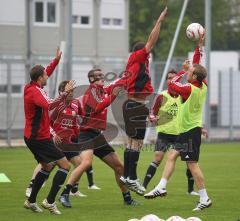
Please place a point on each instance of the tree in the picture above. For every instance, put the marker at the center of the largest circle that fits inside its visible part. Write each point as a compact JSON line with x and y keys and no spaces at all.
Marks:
{"x":143,"y":15}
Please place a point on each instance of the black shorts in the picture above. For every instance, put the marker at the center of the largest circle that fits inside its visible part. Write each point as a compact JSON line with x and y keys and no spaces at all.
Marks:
{"x":190,"y":142}
{"x":97,"y":142}
{"x":135,"y":116}
{"x":166,"y":141}
{"x":44,"y":150}
{"x":69,"y":155}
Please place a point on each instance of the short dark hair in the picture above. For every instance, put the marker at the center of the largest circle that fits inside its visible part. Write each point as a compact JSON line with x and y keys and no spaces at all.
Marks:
{"x":138,"y":46}
{"x":36,"y":72}
{"x":171,"y":71}
{"x":62,"y":85}
{"x":91,"y":73}
{"x":200,"y":72}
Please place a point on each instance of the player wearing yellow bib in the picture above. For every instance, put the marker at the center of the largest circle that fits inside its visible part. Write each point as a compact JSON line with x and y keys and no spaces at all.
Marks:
{"x":165,"y":114}
{"x":193,"y":94}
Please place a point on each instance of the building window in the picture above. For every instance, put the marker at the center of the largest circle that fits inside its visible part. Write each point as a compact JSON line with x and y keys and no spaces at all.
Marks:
{"x":80,"y":20}
{"x":117,"y":21}
{"x":112,"y":22}
{"x":16,"y":88}
{"x":51,"y":12}
{"x":84,"y":20}
{"x":82,"y":11}
{"x":106,"y":21}
{"x":45,"y":12}
{"x":112,"y":14}
{"x":39,"y":11}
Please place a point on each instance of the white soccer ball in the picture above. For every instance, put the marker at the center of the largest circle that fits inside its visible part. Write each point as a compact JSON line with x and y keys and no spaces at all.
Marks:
{"x":133,"y":220}
{"x":175,"y":218}
{"x":194,"y":31}
{"x":151,"y":217}
{"x":193,"y":219}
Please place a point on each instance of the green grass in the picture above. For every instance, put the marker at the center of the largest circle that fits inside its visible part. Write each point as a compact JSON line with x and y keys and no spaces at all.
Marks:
{"x":220,"y":164}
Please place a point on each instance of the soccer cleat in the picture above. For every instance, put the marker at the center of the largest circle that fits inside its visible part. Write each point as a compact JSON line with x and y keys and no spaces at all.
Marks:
{"x":64,"y":200}
{"x":132,"y":203}
{"x":51,"y":207}
{"x":28,"y":192}
{"x":123,"y":180}
{"x":93,"y":187}
{"x":78,"y":193}
{"x":203,"y":205}
{"x":156,"y":192}
{"x":193,"y":193}
{"x":135,"y":186}
{"x":32,"y":206}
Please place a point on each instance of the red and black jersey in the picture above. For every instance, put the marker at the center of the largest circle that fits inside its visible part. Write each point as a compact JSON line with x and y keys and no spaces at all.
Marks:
{"x":136,"y":79}
{"x":36,"y":107}
{"x":66,"y":117}
{"x":94,"y":107}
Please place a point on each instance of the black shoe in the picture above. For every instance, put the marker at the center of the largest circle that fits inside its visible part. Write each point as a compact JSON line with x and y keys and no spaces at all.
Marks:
{"x":64,"y":200}
{"x":132,"y":203}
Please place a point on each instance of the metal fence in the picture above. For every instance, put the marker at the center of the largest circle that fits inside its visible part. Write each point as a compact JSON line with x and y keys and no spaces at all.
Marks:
{"x":225,"y":114}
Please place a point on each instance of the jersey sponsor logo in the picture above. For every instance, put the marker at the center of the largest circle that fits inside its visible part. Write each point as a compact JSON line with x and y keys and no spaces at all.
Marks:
{"x":173,"y":110}
{"x":67,"y":123}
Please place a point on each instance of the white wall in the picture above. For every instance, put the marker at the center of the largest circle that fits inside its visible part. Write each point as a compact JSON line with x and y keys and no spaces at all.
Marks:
{"x":12,"y":12}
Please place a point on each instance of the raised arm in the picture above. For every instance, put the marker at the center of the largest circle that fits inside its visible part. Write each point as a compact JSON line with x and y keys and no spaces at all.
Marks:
{"x":51,"y":67}
{"x":184,"y":90}
{"x":198,"y":51}
{"x":155,"y":31}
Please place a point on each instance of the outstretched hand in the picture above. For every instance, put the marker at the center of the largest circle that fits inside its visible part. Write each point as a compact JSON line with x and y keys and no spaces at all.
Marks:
{"x":201,"y":39}
{"x":163,"y":14}
{"x":58,"y":54}
{"x":186,"y":65}
{"x":70,"y":86}
{"x":117,"y":90}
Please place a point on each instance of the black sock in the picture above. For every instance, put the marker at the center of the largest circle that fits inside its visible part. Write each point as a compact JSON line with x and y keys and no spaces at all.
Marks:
{"x":67,"y":189}
{"x":31,"y":183}
{"x":41,"y":176}
{"x":126,"y":162}
{"x":74,"y":188}
{"x":190,"y":181}
{"x":134,"y":156}
{"x":150,"y":173}
{"x":127,"y":197}
{"x":89,"y":173}
{"x":58,"y":181}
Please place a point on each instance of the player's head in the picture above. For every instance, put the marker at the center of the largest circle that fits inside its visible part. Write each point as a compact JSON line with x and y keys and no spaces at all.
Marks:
{"x":95,"y":76}
{"x":39,"y":74}
{"x":62,"y":88}
{"x":196,"y":73}
{"x":170,"y":75}
{"x":138,"y":46}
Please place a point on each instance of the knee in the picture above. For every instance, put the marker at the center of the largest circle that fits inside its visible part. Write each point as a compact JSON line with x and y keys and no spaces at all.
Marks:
{"x":48,"y":167}
{"x":87,"y":163}
{"x":158,"y":158}
{"x":65,"y":165}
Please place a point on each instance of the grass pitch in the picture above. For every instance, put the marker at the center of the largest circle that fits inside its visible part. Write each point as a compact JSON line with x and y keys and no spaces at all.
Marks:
{"x":219,"y":162}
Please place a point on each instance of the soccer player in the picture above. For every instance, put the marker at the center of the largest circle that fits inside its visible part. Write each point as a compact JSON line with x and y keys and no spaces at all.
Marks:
{"x":66,"y":118}
{"x":94,"y":113}
{"x":165,"y":113}
{"x":193,"y":94}
{"x":137,"y":82}
{"x":37,"y":136}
